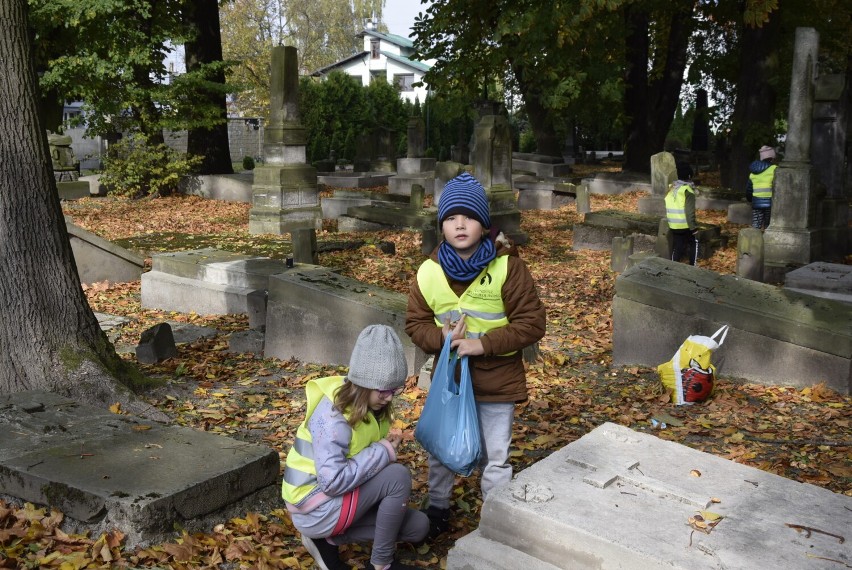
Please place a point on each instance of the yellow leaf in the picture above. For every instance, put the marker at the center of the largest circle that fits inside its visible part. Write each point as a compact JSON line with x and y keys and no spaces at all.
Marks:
{"x":543,"y":440}
{"x":115,"y":408}
{"x":141,"y":427}
{"x":695,"y":473}
{"x":710,"y":516}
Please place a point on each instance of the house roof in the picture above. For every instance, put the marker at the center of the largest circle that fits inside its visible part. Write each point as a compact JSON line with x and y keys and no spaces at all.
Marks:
{"x":392,"y":38}
{"x":415,"y":65}
{"x":336,"y":64}
{"x":418,"y":65}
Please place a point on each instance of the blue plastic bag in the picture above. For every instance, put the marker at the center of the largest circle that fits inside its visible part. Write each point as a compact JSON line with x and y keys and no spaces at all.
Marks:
{"x":448,"y":427}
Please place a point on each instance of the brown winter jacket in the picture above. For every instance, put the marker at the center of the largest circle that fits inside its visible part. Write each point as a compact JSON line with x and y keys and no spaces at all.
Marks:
{"x":495,"y":378}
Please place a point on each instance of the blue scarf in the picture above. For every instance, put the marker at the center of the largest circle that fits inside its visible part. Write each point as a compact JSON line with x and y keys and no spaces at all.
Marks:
{"x":466,"y":269}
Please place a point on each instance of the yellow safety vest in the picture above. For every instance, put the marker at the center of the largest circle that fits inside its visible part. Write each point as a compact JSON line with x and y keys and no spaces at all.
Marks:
{"x":762,"y":183}
{"x":676,"y":207}
{"x":482,"y":302}
{"x":300,"y":472}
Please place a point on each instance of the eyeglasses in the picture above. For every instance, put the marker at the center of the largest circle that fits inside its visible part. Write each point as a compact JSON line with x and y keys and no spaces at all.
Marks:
{"x":386,"y":393}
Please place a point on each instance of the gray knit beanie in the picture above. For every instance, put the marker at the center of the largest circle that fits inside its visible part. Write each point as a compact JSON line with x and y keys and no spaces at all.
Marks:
{"x":378,"y":361}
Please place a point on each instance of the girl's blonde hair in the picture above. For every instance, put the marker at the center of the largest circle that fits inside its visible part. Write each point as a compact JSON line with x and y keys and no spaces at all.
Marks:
{"x":355,"y":400}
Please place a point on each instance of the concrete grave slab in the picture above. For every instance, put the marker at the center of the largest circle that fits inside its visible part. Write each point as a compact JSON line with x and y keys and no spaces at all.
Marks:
{"x":401,"y":184}
{"x":386,"y":214}
{"x":829,"y":280}
{"x":206,"y":281}
{"x":598,"y":229}
{"x":116,"y":471}
{"x":603,"y":185}
{"x":353,"y":179}
{"x":73,"y":190}
{"x":100,"y":260}
{"x":776,"y":336}
{"x":227,"y":187}
{"x":315,"y":315}
{"x":540,"y":164}
{"x":621,"y":499}
{"x":339,"y":203}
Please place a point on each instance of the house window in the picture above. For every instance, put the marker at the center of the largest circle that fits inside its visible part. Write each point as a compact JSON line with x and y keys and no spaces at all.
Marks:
{"x":404,"y":81}
{"x":377,"y":74}
{"x":374,"y":49}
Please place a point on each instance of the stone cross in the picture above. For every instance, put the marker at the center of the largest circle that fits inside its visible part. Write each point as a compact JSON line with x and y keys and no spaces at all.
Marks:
{"x":603,"y":471}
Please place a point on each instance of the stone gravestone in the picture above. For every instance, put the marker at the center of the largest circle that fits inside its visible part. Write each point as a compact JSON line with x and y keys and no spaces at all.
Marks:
{"x":663,"y":173}
{"x":750,"y":254}
{"x":621,"y":499}
{"x":492,"y":165}
{"x":415,"y":168}
{"x":792,"y":238}
{"x":830,"y":160}
{"x":66,"y":168}
{"x":284,"y":193}
{"x":777,"y":336}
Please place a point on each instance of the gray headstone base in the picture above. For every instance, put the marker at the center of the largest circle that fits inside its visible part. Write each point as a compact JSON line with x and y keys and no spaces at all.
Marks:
{"x":621,"y":499}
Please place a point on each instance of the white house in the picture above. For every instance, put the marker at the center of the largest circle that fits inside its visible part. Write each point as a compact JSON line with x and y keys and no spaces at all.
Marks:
{"x":385,"y":56}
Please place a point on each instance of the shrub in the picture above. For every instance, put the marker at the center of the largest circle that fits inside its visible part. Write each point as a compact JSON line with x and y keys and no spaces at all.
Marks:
{"x":248,"y":163}
{"x":134,"y":168}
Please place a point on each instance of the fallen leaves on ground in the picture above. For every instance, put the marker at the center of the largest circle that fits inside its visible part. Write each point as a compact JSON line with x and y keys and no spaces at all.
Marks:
{"x":802,"y":434}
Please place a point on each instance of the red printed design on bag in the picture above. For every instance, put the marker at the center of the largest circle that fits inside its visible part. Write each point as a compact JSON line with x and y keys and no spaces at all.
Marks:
{"x":697,"y":382}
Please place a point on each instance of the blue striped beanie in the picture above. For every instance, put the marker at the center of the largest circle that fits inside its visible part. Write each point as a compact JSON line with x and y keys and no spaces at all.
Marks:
{"x":464,"y":195}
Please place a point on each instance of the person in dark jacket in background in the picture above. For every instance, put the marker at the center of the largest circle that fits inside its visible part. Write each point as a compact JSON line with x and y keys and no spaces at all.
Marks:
{"x":761,"y":183}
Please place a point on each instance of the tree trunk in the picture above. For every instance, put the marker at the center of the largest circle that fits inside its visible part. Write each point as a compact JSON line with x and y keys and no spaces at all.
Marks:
{"x":49,"y":337}
{"x":650,"y":105}
{"x":211,"y":143}
{"x":754,"y":110}
{"x":541,"y":119}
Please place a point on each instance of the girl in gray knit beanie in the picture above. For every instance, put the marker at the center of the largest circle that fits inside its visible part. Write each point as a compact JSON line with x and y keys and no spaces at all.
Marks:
{"x":342,"y":483}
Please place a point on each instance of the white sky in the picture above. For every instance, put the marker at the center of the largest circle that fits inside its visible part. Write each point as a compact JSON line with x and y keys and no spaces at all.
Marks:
{"x":399,"y":15}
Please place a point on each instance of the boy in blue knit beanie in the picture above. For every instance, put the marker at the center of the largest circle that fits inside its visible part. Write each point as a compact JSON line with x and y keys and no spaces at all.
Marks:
{"x":476,"y":288}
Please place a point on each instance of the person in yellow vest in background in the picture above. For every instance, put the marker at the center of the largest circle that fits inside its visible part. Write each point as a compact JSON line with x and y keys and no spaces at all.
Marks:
{"x":761,"y":182}
{"x":341,"y":480}
{"x":475,"y":287}
{"x":680,"y":214}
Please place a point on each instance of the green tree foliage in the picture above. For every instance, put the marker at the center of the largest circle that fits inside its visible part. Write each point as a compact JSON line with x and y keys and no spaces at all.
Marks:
{"x":557,"y":55}
{"x":135,"y":167}
{"x":335,"y":110}
{"x":324,"y":31}
{"x":117,"y":70}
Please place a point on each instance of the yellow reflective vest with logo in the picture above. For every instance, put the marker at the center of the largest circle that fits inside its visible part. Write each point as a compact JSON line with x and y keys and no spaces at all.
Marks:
{"x":300,"y":472}
{"x":676,"y":207}
{"x":761,"y":183}
{"x":482,"y":302}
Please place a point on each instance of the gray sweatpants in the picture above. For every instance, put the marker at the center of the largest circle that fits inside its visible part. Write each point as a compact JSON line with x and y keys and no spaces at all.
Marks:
{"x":495,"y":425}
{"x":382,"y":515}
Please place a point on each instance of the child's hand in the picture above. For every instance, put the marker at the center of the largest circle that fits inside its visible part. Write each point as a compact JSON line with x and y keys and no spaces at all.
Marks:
{"x":468,"y":346}
{"x":459,"y":328}
{"x":395,"y":438}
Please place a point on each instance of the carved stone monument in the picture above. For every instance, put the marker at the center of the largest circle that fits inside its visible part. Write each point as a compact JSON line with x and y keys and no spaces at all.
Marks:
{"x":284,"y":193}
{"x":492,"y":164}
{"x":792,"y":238}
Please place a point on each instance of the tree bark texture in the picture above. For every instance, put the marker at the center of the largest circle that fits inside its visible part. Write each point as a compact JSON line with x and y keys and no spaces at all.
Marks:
{"x":49,"y":336}
{"x":650,"y":102}
{"x":209,"y":143}
{"x":754,"y":110}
